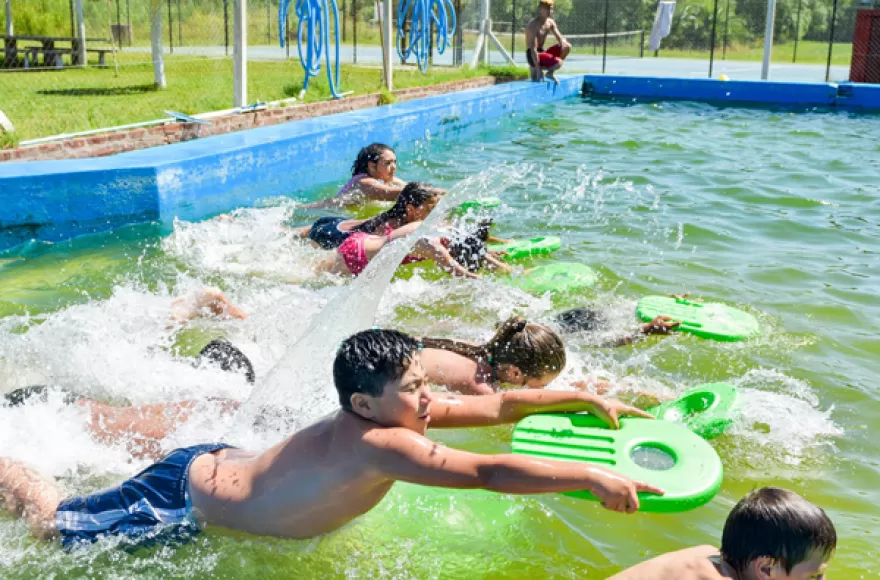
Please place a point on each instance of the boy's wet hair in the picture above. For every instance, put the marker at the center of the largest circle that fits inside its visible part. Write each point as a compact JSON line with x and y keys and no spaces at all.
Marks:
{"x":415,"y":194}
{"x":222,"y":353}
{"x":581,"y":320}
{"x":369,"y":360}
{"x":533,"y":348}
{"x":370,"y":153}
{"x":776,"y":523}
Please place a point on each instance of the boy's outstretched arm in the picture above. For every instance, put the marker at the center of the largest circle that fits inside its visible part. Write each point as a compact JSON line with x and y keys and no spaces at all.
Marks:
{"x":511,"y":406}
{"x":401,"y":454}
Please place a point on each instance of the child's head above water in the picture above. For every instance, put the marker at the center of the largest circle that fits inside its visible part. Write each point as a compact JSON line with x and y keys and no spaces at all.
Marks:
{"x":469,"y":249}
{"x":581,"y":320}
{"x":376,"y":160}
{"x":377,"y":376}
{"x":775,"y":533}
{"x":522,"y":353}
{"x":413,"y":204}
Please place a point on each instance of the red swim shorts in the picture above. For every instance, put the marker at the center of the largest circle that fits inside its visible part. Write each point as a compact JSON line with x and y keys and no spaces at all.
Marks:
{"x":550,"y":57}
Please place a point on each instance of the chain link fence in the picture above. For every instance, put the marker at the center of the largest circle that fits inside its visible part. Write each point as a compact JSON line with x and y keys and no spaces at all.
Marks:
{"x":812,"y":41}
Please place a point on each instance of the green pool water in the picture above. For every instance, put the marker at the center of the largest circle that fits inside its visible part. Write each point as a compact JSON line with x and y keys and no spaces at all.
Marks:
{"x":775,"y":212}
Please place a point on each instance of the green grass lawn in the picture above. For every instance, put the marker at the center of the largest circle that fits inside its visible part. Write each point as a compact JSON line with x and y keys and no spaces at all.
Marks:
{"x":46,"y":103}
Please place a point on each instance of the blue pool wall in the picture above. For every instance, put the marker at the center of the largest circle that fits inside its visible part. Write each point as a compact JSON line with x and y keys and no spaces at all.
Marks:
{"x":846,"y":96}
{"x":57,"y":200}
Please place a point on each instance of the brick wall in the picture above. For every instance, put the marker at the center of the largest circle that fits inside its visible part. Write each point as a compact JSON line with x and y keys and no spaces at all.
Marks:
{"x":112,"y":143}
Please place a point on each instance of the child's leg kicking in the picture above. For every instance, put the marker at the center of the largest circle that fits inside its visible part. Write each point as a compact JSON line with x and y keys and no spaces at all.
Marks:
{"x":29,"y":495}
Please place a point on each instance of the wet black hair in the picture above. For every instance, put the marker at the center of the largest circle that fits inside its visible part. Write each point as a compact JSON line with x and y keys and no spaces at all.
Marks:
{"x":222,"y":353}
{"x":369,"y":360}
{"x":581,"y":319}
{"x":470,"y":249}
{"x":370,"y":153}
{"x":415,"y":193}
{"x":776,"y":523}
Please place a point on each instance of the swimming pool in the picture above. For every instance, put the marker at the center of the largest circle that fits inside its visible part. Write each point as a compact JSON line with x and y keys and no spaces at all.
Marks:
{"x":770,"y":210}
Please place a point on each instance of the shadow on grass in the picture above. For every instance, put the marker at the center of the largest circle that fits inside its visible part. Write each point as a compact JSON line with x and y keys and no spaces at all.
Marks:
{"x":100,"y":92}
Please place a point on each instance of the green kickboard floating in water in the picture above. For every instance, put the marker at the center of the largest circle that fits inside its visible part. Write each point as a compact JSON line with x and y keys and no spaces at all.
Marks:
{"x":707,"y":410}
{"x":482,"y":203}
{"x":556,"y":277}
{"x":707,"y":320}
{"x":517,"y":249}
{"x":659,"y":453}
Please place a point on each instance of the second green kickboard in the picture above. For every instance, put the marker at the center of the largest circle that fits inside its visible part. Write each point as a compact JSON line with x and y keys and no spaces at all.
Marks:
{"x":707,"y":320}
{"x":556,"y":277}
{"x":518,"y":249}
{"x":707,"y":410}
{"x":659,"y":453}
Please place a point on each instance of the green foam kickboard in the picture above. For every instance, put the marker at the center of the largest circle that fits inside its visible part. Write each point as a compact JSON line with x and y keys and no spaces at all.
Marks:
{"x":707,"y":410}
{"x":706,"y":320}
{"x":660,"y":453}
{"x":556,"y":277}
{"x":518,"y":249}
{"x":480,"y":203}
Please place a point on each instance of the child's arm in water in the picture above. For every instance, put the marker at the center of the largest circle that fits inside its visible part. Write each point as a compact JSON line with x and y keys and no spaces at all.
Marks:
{"x":640,"y":399}
{"x":399,"y":454}
{"x":512,"y":406}
{"x":432,"y":249}
{"x":204,"y":302}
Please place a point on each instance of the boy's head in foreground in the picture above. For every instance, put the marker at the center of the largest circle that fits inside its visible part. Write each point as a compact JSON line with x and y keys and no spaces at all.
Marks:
{"x":773,"y":533}
{"x":379,"y":377}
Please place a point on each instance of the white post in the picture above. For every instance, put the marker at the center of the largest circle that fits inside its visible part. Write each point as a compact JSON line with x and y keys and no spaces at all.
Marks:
{"x":80,"y":32}
{"x":8,"y":17}
{"x":239,"y":54}
{"x":486,"y":25}
{"x":156,"y":44}
{"x":386,"y":24}
{"x":768,"y":39}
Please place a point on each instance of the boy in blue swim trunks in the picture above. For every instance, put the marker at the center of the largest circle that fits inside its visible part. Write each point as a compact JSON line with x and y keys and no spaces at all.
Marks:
{"x":333,"y":471}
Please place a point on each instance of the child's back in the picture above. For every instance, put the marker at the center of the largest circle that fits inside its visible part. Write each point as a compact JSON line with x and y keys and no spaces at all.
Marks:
{"x":689,"y":564}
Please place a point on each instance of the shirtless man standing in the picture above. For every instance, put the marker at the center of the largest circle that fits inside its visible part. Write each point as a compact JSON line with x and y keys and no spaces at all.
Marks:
{"x":539,"y":59}
{"x":333,"y":471}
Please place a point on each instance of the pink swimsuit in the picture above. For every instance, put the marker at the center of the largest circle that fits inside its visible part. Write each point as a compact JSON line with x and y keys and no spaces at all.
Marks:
{"x":354,"y":253}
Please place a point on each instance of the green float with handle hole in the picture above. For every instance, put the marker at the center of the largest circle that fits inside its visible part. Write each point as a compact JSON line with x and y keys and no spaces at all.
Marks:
{"x":555,"y":277}
{"x":519,"y":249}
{"x":707,"y":410}
{"x":660,"y":453}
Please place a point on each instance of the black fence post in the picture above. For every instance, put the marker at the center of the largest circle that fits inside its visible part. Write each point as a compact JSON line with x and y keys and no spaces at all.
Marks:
{"x":268,"y":21}
{"x":354,"y":30}
{"x":831,"y":42}
{"x":605,"y":38}
{"x":226,"y":25}
{"x":458,"y":50}
{"x":726,"y":28}
{"x":179,"y":24}
{"x":170,"y":29}
{"x":513,"y":31}
{"x":344,"y":14}
{"x":128,"y":20}
{"x":712,"y":47}
{"x":797,"y":31}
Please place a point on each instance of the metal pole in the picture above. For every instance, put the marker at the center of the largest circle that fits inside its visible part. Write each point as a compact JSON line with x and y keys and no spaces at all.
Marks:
{"x":80,"y":34}
{"x":831,"y":42}
{"x":269,"y":22}
{"x":797,"y":31}
{"x":386,"y":24}
{"x":344,"y":6}
{"x":287,"y":38}
{"x":604,"y":37}
{"x":72,"y":21}
{"x":726,"y":27}
{"x":354,"y":30}
{"x":239,"y":53}
{"x":179,"y":24}
{"x":128,"y":21}
{"x":226,"y":26}
{"x":118,"y":15}
{"x":170,"y":29}
{"x":156,"y":44}
{"x":768,"y":39}
{"x":9,"y":17}
{"x":712,"y":48}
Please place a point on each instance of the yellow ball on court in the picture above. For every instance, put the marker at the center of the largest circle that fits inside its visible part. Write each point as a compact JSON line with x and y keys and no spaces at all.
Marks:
{"x":723,"y":78}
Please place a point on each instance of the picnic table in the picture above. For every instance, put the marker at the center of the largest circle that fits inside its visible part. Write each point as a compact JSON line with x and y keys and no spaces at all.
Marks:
{"x":47,"y":47}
